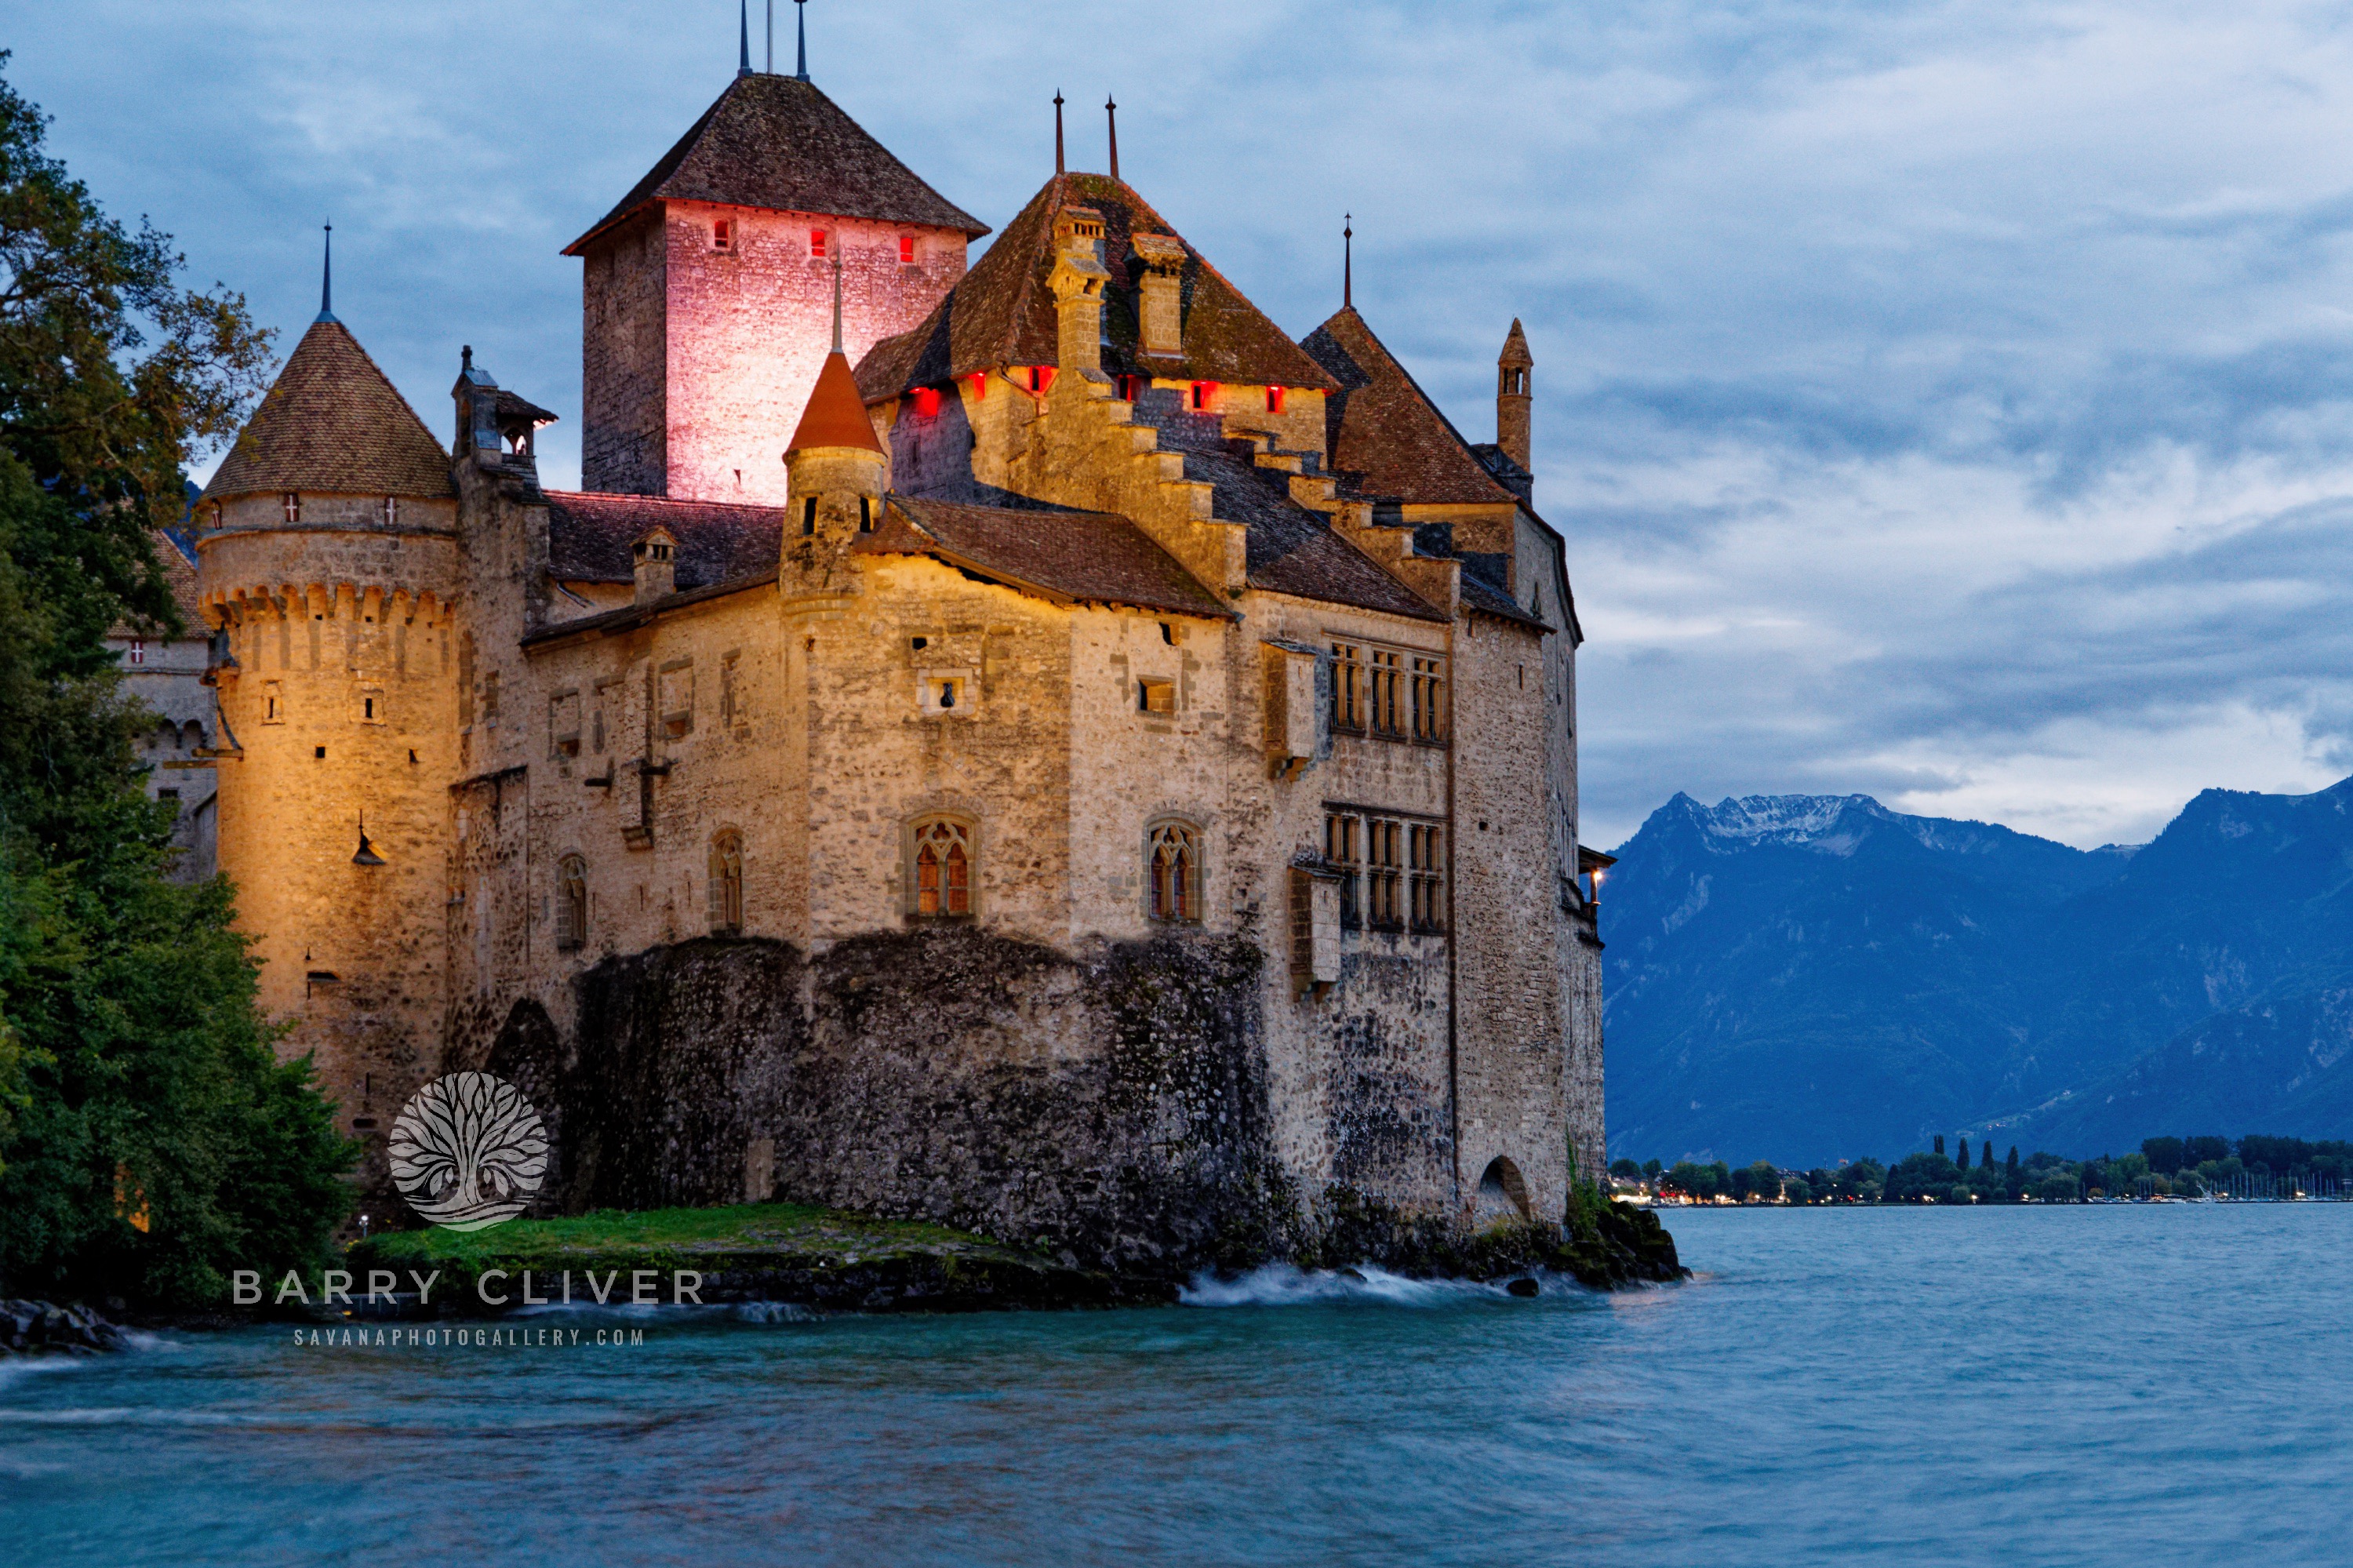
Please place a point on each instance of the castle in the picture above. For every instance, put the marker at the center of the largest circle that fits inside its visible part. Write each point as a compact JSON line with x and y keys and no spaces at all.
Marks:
{"x":1033,"y":747}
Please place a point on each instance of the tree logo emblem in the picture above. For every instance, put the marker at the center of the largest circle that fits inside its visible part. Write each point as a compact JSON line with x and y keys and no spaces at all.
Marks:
{"x":468,"y":1151}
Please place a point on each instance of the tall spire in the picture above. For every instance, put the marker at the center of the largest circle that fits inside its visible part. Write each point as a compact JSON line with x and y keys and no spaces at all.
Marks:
{"x":1058,"y":132}
{"x":1347,"y":260}
{"x":744,"y":37}
{"x":1111,"y":109}
{"x":800,"y":24}
{"x":836,"y":299}
{"x":327,"y":280}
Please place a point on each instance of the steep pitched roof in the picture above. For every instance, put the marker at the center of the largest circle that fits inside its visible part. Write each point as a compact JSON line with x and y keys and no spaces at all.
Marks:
{"x":1091,"y":556}
{"x":836,"y":415}
{"x":332,"y":422}
{"x":774,"y":142}
{"x":1387,"y":439}
{"x":1001,"y":312}
{"x":589,"y":535}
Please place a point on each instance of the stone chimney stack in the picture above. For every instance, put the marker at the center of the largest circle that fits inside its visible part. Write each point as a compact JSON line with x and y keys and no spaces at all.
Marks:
{"x":1078,"y":281}
{"x":1513,"y":395}
{"x":1160,"y":306}
{"x":656,"y":558}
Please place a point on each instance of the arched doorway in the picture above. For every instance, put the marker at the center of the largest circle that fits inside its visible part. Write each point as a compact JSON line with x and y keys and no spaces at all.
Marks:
{"x":1502,"y":1195}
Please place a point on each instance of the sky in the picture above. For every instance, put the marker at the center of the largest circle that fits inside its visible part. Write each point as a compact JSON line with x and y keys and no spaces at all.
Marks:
{"x":1950,"y":403}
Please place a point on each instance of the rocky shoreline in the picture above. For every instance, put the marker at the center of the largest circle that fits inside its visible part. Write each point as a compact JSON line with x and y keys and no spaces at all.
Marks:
{"x":40,"y":1328}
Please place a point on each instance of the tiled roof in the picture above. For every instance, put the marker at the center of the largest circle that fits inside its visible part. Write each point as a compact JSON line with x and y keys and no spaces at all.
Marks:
{"x":630,"y":615}
{"x":1289,"y":549}
{"x":1387,"y":439}
{"x":589,"y":535}
{"x":1479,"y":594}
{"x":1091,"y":556}
{"x":836,"y":415}
{"x":332,"y":422}
{"x":1002,"y":312}
{"x":180,"y":574}
{"x":780,"y":145}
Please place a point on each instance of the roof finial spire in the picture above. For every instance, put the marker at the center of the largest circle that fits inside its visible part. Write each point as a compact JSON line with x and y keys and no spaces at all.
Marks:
{"x":1111,"y":109}
{"x":800,"y":14}
{"x":836,"y":299}
{"x":327,"y":278}
{"x":771,"y":66}
{"x":1058,"y":132}
{"x":1347,"y":261}
{"x":744,"y":37}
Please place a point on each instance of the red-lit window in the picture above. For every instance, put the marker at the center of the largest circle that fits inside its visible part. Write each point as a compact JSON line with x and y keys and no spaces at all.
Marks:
{"x":1041,"y":376}
{"x":979,"y":384}
{"x":1130,"y":387}
{"x":927,"y":402}
{"x":722,"y":234}
{"x":906,"y":250}
{"x":1274,"y":399}
{"x":817,"y":244}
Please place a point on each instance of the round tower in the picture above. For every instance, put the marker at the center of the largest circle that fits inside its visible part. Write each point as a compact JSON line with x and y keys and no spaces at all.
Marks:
{"x":835,"y":469}
{"x":1514,"y":395}
{"x":328,"y":560}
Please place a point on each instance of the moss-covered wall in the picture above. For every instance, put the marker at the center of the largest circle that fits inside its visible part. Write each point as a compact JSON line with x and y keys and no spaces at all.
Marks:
{"x":1111,"y":1106}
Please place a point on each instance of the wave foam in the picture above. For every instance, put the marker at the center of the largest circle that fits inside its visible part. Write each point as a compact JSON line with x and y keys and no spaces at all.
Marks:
{"x":1286,"y":1285}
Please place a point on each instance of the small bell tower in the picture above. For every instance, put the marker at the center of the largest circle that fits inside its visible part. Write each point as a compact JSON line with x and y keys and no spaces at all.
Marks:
{"x":1513,"y":368}
{"x":835,"y":469}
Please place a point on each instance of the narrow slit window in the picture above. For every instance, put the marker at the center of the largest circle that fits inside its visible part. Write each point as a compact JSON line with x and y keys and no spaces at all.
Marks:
{"x":817,"y":244}
{"x":808,"y":517}
{"x":906,"y":250}
{"x":722,"y":234}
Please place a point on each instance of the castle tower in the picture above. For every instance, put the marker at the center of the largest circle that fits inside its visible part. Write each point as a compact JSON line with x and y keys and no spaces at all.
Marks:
{"x":705,"y":291}
{"x":1513,"y":395}
{"x":327,"y":564}
{"x":834,"y":467}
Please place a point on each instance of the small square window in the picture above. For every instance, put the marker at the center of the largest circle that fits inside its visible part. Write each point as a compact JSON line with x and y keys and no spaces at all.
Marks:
{"x":906,"y":250}
{"x":946,"y":693}
{"x":817,"y":244}
{"x":1156,"y":697}
{"x":722,"y":235}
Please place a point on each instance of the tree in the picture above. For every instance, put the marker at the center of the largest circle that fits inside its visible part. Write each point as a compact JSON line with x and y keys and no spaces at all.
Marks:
{"x":2012,"y":1161}
{"x":149,"y":1139}
{"x":1625,"y":1169}
{"x":1940,"y":1143}
{"x":1985,"y":1155}
{"x":1651,"y":1168}
{"x":1961,"y":1159}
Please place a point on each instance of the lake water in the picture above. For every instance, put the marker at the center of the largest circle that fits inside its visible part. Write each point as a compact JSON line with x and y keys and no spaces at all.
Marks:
{"x":2163,"y":1384}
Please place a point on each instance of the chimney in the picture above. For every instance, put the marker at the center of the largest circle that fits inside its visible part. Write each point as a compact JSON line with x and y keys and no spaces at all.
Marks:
{"x":655,"y":558}
{"x":1513,"y":395}
{"x":1078,"y":281}
{"x":477,"y":411}
{"x":1160,"y":305}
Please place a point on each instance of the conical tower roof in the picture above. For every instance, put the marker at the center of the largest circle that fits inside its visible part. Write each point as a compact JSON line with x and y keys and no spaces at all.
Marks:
{"x":334,"y":423}
{"x":777,"y":144}
{"x":1515,"y":347}
{"x":836,"y":415}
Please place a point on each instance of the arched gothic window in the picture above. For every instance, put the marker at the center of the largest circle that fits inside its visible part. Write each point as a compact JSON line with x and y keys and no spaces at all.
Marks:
{"x":942,"y":857}
{"x":1172,"y":865}
{"x":727,"y":884}
{"x":572,"y":903}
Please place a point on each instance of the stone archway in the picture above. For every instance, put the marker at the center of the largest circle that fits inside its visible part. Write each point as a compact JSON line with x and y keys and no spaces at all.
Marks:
{"x":1503,"y":1196}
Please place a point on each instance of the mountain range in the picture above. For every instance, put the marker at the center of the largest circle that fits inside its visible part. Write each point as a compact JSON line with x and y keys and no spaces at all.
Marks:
{"x":1806,"y":977}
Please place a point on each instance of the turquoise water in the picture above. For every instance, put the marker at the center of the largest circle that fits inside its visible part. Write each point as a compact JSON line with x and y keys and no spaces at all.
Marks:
{"x":2163,"y":1384}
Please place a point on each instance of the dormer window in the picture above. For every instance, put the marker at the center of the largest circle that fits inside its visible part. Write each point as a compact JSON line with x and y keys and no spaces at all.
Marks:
{"x":1205,"y":395}
{"x":722,"y":234}
{"x":906,"y":250}
{"x":1130,"y":387}
{"x":293,"y":503}
{"x":817,"y":244}
{"x":1274,"y":399}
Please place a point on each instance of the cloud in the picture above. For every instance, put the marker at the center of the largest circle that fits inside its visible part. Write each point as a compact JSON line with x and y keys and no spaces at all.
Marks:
{"x":1954,"y":403}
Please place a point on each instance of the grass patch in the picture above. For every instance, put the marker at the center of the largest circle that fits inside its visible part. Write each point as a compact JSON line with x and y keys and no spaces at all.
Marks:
{"x":828,"y":1233}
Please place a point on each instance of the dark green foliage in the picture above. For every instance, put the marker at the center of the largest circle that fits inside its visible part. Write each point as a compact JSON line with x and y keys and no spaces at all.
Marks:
{"x":1940,"y":1143}
{"x":1961,"y":1159}
{"x":2013,"y":1162}
{"x":1985,"y":1155}
{"x":1625,"y":1169}
{"x":132,"y":1054}
{"x":2164,"y":1154}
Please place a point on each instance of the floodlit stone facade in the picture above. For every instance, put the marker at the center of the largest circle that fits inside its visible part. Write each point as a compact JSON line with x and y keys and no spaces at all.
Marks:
{"x":1104,"y":773}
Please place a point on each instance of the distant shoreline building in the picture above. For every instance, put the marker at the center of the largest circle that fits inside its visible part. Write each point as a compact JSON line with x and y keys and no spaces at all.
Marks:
{"x":1033,"y":747}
